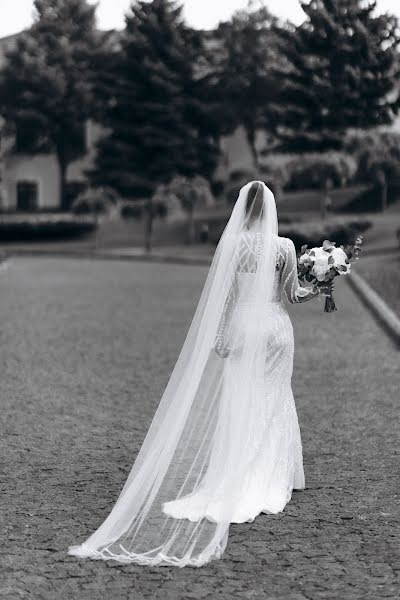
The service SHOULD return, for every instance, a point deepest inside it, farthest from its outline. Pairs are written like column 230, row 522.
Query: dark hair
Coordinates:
column 251, row 196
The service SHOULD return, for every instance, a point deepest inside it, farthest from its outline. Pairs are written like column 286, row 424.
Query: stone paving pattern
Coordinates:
column 86, row 350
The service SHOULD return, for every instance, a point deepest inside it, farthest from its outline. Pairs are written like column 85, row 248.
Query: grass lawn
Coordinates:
column 383, row 274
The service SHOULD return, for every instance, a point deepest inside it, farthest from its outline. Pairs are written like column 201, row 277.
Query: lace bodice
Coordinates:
column 286, row 283
column 286, row 279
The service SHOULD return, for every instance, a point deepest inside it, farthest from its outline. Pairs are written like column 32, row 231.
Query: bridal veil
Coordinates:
column 192, row 455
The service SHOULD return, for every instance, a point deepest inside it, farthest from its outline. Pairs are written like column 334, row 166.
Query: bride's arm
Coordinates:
column 220, row 345
column 290, row 283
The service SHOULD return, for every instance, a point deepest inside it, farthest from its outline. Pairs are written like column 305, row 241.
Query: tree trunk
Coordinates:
column 384, row 195
column 191, row 228
column 149, row 225
column 325, row 198
column 63, row 183
column 382, row 183
column 251, row 138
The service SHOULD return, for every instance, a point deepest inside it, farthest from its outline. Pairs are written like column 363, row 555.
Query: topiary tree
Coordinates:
column 316, row 171
column 190, row 193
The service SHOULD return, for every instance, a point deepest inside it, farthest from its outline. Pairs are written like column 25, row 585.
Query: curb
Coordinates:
column 120, row 256
column 384, row 314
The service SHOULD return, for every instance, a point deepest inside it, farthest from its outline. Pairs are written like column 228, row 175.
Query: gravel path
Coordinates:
column 86, row 350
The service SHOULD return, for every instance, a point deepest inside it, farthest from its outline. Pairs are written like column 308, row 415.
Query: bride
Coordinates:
column 224, row 444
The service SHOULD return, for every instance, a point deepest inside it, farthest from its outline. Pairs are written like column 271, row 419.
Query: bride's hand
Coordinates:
column 326, row 288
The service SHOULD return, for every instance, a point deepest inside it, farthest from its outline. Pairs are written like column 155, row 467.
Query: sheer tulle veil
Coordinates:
column 193, row 448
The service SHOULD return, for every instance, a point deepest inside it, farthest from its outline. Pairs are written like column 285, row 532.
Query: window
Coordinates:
column 27, row 196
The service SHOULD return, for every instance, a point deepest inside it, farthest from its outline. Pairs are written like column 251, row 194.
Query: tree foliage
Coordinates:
column 243, row 59
column 339, row 73
column 157, row 116
column 47, row 83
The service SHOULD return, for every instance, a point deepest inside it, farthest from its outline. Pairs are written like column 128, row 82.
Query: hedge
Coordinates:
column 313, row 233
column 44, row 226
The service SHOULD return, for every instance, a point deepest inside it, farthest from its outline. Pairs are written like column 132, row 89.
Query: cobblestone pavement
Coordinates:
column 86, row 349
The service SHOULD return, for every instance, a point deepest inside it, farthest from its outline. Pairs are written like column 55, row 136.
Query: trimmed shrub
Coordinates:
column 96, row 201
column 378, row 158
column 131, row 209
column 190, row 191
column 313, row 171
column 136, row 209
column 314, row 233
column 42, row 226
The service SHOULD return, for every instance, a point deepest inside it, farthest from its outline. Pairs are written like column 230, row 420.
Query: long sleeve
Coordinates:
column 220, row 339
column 290, row 282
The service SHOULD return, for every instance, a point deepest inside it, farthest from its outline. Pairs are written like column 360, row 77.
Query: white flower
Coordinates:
column 320, row 260
column 303, row 258
column 324, row 258
column 339, row 256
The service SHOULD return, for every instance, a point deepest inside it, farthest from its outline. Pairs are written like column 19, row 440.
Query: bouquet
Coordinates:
column 320, row 265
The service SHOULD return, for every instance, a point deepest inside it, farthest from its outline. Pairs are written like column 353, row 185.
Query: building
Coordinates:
column 31, row 182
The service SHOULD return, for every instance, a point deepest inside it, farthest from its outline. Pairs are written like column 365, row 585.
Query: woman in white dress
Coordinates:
column 224, row 444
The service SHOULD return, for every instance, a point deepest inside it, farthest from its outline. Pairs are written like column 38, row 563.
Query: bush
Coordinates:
column 314, row 233
column 358, row 144
column 95, row 201
column 378, row 156
column 136, row 209
column 52, row 226
column 190, row 192
column 313, row 171
column 293, row 172
column 131, row 209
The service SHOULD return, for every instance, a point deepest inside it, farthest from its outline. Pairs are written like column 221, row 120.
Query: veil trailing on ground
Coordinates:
column 186, row 483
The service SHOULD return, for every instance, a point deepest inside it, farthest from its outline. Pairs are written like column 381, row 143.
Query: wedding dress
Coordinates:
column 224, row 444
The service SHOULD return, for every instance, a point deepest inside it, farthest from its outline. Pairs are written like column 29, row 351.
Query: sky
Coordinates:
column 16, row 15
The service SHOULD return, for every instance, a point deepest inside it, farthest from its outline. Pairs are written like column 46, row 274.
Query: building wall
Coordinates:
column 40, row 168
column 236, row 153
column 44, row 170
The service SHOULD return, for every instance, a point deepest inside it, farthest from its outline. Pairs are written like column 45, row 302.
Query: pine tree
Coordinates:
column 340, row 70
column 157, row 116
column 243, row 64
column 47, row 83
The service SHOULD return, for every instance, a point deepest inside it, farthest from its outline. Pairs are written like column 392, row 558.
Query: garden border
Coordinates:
column 154, row 256
column 385, row 315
